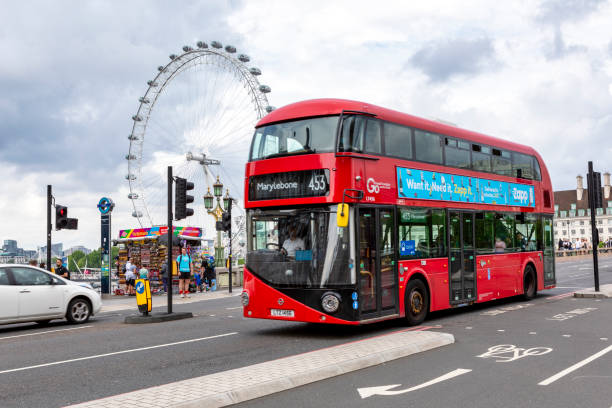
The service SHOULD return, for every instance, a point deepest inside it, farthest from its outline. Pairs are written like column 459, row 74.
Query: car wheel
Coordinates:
column 79, row 311
column 416, row 302
column 529, row 283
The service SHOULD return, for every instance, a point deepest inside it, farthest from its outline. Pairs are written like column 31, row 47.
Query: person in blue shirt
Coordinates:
column 185, row 268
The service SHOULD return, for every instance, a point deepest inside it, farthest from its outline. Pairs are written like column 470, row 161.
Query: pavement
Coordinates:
column 117, row 303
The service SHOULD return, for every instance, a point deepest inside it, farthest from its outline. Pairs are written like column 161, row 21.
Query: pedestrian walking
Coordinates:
column 164, row 275
column 209, row 274
column 130, row 277
column 185, row 268
column 61, row 270
column 143, row 273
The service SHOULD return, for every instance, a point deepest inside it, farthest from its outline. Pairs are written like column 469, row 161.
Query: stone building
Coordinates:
column 573, row 217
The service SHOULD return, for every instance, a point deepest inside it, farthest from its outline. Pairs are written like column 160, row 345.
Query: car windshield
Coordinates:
column 314, row 135
column 300, row 248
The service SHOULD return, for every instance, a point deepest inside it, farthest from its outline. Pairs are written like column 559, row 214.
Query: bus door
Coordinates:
column 462, row 257
column 549, row 251
column 376, row 260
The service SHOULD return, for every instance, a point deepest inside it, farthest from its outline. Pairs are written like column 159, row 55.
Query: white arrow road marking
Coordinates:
column 384, row 389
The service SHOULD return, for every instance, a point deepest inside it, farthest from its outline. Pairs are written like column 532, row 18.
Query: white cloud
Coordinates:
column 346, row 49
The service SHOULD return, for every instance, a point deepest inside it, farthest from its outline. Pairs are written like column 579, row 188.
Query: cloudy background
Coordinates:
column 538, row 73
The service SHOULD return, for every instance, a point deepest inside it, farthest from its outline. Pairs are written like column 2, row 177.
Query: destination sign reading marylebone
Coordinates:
column 429, row 185
column 309, row 183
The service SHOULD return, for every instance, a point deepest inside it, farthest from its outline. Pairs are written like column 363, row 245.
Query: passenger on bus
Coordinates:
column 293, row 243
column 500, row 246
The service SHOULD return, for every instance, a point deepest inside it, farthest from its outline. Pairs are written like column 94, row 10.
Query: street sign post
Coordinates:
column 105, row 206
column 595, row 201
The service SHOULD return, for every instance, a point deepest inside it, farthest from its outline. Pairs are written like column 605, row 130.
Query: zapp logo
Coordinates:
column 520, row 195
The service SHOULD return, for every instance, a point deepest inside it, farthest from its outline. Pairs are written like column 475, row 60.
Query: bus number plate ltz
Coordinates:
column 282, row 313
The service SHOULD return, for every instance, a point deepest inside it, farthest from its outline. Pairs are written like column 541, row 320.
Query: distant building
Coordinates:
column 73, row 249
column 573, row 216
column 57, row 250
column 10, row 246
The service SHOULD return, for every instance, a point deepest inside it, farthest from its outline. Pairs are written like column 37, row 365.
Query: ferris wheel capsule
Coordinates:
column 132, row 196
column 142, row 99
column 244, row 58
column 137, row 214
column 130, row 157
column 216, row 44
column 270, row 108
column 264, row 88
column 187, row 48
column 130, row 177
column 202, row 44
column 132, row 137
column 172, row 57
column 136, row 118
column 230, row 48
column 255, row 71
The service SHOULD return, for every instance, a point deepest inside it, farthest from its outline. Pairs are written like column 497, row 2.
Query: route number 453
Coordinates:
column 317, row 183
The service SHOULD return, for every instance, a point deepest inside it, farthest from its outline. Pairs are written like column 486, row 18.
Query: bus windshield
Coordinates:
column 299, row 248
column 314, row 135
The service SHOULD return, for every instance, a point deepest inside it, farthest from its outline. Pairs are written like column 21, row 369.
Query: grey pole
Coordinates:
column 169, row 268
column 49, row 198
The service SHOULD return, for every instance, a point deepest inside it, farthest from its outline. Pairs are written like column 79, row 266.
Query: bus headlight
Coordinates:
column 245, row 299
column 330, row 301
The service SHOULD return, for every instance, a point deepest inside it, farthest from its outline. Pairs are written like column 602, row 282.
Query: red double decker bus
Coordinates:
column 357, row 213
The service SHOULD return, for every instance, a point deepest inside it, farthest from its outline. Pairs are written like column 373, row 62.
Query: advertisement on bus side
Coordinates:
column 429, row 185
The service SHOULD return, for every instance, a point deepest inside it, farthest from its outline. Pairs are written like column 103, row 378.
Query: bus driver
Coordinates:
column 292, row 243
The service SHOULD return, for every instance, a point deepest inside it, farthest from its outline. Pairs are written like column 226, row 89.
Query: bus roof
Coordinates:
column 323, row 107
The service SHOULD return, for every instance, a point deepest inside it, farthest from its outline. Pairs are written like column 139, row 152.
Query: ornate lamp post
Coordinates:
column 217, row 213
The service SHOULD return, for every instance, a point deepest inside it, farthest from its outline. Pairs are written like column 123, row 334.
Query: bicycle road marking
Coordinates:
column 505, row 353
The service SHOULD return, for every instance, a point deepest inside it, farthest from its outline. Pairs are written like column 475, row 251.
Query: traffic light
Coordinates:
column 181, row 199
column 61, row 217
column 594, row 186
column 227, row 221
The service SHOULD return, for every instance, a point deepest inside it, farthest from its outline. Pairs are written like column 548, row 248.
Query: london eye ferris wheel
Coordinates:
column 197, row 115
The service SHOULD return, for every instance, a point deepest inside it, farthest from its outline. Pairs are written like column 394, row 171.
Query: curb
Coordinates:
column 605, row 291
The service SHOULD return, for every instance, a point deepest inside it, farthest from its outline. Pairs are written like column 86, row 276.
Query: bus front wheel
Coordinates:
column 529, row 283
column 416, row 302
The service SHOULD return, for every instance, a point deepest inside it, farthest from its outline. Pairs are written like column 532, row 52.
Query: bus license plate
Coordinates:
column 282, row 313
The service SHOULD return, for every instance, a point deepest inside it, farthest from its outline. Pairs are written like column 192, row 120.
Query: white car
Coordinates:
column 30, row 294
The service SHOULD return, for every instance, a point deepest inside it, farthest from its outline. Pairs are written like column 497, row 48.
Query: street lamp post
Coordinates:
column 217, row 214
column 227, row 204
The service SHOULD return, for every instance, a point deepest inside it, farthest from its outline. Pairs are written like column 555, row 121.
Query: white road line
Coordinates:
column 117, row 352
column 44, row 332
column 233, row 308
column 575, row 367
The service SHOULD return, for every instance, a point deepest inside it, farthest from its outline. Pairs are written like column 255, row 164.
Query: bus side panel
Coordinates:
column 535, row 258
column 435, row 272
column 263, row 298
column 489, row 278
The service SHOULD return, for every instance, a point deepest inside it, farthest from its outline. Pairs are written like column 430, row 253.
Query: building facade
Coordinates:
column 572, row 220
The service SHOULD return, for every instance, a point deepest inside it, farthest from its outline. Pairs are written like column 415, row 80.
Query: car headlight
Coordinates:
column 245, row 299
column 330, row 302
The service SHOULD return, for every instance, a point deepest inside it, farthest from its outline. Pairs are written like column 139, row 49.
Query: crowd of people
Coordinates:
column 193, row 277
column 581, row 244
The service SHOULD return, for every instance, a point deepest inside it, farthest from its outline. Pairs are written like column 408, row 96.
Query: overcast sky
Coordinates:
column 538, row 73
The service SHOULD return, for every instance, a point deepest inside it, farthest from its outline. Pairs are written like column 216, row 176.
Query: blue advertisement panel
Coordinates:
column 428, row 185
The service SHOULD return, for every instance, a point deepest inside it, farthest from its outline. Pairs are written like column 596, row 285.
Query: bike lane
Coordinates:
column 549, row 354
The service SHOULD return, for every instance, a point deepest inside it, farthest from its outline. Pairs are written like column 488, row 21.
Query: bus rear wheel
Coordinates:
column 416, row 302
column 529, row 283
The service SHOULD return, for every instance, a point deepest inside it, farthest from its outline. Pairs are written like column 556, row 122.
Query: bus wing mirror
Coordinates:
column 342, row 215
